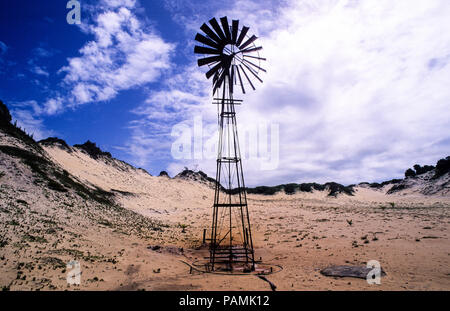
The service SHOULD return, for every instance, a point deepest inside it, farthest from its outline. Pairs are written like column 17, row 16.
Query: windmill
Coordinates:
column 234, row 63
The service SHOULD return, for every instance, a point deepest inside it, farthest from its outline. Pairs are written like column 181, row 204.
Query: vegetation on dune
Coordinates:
column 409, row 173
column 163, row 173
column 384, row 183
column 92, row 149
column 442, row 167
column 56, row 180
column 13, row 130
column 291, row 188
column 51, row 141
column 333, row 188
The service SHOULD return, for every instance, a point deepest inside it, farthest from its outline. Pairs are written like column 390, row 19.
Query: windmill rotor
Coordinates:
column 230, row 53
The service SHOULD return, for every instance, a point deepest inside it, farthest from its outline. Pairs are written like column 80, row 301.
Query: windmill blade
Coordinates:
column 242, row 35
column 217, row 28
column 240, row 80
column 253, row 72
column 226, row 28
column 205, row 50
column 202, row 39
column 210, row 33
column 254, row 65
column 208, row 60
column 219, row 81
column 249, row 81
column 213, row 70
column 251, row 49
column 256, row 57
column 249, row 41
column 234, row 31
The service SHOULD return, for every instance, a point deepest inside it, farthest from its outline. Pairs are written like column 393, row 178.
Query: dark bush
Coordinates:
column 265, row 190
column 423, row 169
column 396, row 188
column 442, row 167
column 309, row 187
column 290, row 188
column 51, row 141
column 409, row 173
column 336, row 188
column 163, row 173
column 92, row 149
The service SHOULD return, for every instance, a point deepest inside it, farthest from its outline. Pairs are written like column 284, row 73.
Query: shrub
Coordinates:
column 409, row 173
column 423, row 169
column 442, row 167
column 92, row 149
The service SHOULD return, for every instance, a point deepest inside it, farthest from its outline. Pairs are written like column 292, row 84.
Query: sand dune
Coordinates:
column 44, row 228
column 305, row 232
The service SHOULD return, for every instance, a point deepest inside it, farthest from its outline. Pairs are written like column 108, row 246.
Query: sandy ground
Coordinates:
column 304, row 233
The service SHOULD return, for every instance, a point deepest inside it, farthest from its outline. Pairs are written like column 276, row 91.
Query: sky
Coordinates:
column 354, row 91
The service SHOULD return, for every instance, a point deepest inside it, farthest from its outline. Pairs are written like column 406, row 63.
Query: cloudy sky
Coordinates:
column 355, row 90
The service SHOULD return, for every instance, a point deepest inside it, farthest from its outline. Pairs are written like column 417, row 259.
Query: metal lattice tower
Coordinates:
column 233, row 61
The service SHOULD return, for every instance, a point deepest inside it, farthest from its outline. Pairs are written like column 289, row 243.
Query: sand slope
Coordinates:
column 42, row 229
column 406, row 232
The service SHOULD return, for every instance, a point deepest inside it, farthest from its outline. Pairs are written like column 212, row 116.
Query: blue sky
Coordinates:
column 358, row 89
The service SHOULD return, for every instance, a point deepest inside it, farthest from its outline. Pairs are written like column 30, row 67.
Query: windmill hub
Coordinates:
column 229, row 50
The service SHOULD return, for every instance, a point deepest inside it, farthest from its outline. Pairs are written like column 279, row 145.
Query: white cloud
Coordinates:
column 123, row 55
column 359, row 89
column 39, row 71
column 183, row 96
column 32, row 124
column 43, row 52
column 53, row 105
column 119, row 3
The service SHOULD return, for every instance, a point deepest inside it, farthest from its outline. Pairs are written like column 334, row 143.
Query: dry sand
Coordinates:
column 304, row 233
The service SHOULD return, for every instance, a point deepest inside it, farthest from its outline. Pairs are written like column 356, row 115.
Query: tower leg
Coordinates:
column 231, row 238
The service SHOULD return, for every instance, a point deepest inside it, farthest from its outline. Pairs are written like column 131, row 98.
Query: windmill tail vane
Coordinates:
column 234, row 63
